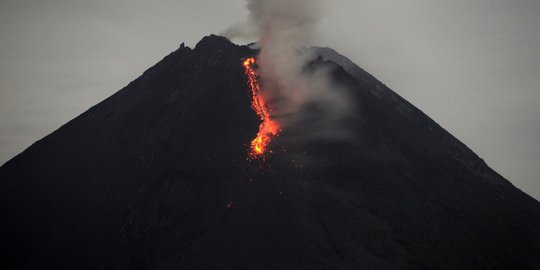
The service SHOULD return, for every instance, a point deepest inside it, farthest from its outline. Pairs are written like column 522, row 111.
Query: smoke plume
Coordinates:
column 282, row 28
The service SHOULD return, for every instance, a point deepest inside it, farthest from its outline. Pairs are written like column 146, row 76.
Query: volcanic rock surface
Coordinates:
column 157, row 177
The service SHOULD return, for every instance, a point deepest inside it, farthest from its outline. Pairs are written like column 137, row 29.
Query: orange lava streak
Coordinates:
column 268, row 127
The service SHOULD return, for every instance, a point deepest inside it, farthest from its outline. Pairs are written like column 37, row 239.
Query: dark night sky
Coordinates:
column 473, row 66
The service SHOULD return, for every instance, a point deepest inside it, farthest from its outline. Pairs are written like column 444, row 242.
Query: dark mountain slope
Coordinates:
column 156, row 177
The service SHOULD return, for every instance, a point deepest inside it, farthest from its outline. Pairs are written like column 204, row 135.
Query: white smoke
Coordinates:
column 282, row 28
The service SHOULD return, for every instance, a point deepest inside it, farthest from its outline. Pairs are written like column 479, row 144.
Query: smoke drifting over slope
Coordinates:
column 282, row 28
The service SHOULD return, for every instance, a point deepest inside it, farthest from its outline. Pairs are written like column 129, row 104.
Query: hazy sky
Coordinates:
column 473, row 66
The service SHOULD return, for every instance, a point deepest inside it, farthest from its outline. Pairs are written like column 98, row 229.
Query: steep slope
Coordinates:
column 156, row 177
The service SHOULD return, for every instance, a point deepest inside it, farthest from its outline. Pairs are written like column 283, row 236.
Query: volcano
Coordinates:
column 158, row 177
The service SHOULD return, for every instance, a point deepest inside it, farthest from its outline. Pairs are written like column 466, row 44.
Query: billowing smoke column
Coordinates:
column 282, row 27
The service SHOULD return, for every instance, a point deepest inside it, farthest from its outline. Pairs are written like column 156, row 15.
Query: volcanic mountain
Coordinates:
column 158, row 177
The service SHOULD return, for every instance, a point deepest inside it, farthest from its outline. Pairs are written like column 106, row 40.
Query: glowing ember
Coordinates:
column 268, row 128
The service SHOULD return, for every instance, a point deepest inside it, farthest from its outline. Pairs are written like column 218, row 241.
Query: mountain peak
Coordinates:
column 213, row 42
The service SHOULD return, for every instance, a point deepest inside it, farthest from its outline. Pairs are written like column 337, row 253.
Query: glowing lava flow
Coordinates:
column 268, row 128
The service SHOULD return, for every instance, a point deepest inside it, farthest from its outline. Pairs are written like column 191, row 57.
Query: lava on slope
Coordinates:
column 268, row 127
